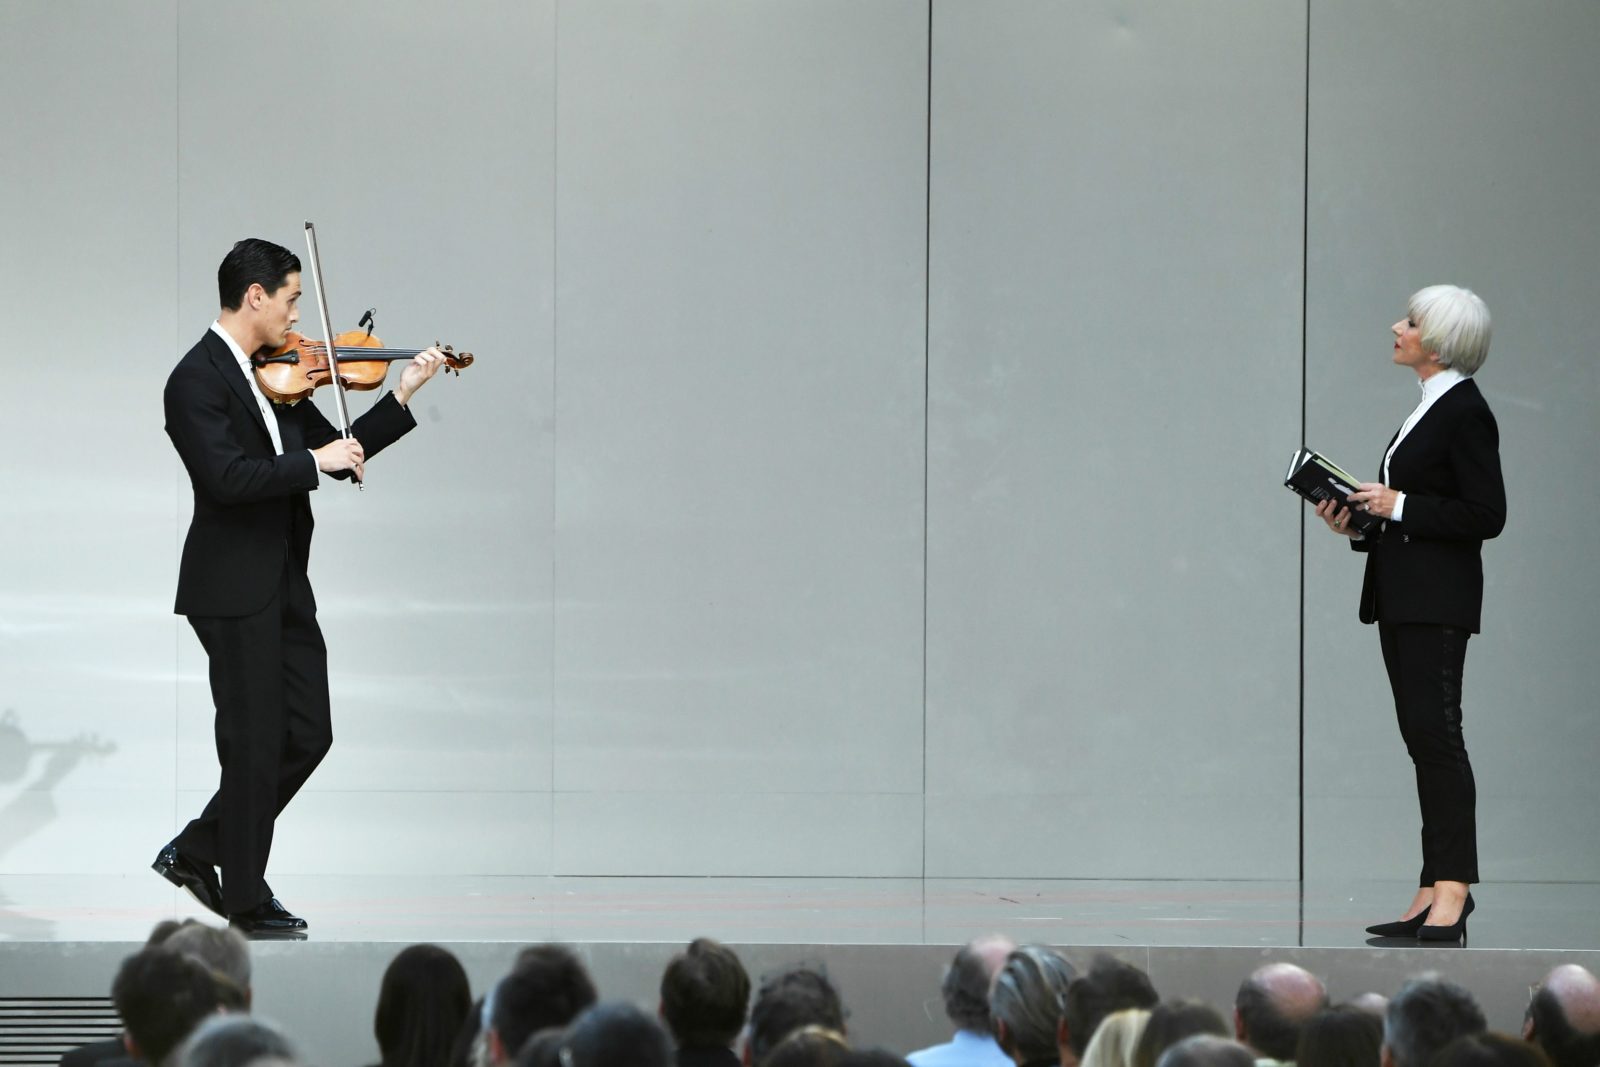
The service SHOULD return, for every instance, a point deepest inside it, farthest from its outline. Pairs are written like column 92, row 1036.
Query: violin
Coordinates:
column 291, row 372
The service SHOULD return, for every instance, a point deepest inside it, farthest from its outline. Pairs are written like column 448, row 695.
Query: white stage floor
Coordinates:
column 808, row 910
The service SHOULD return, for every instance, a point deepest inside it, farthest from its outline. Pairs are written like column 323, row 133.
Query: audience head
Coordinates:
column 225, row 953
column 704, row 995
column 1027, row 1000
column 1109, row 986
column 161, row 996
column 1271, row 1006
column 163, row 930
column 1426, row 1015
column 1171, row 1022
column 969, row 978
column 1340, row 1037
column 1372, row 1003
column 809, row 1046
column 1207, row 1050
column 1116, row 1038
column 235, row 1041
column 1564, row 1017
column 613, row 1035
column 548, row 987
column 1490, row 1050
column 796, row 998
column 542, row 1049
column 422, row 1003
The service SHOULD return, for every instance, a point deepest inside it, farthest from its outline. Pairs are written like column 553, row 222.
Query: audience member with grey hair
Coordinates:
column 1271, row 1007
column 223, row 950
column 235, row 1041
column 1206, row 1050
column 1426, row 1015
column 1564, row 1017
column 1026, row 1002
column 967, row 982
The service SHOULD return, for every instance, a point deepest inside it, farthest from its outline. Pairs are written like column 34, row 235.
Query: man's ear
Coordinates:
column 1002, row 1035
column 1064, row 1041
column 1238, row 1028
column 131, row 1046
column 1385, row 1057
column 1528, row 1033
column 497, row 1048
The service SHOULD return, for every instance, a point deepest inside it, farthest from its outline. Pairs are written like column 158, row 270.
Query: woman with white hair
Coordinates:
column 1441, row 496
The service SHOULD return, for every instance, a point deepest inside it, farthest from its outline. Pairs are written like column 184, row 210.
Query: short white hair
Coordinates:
column 1454, row 323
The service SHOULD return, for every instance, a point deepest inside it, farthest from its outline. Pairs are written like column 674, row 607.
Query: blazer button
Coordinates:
column 1406, row 538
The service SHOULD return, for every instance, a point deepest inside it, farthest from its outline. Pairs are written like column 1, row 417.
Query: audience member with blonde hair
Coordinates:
column 1115, row 1039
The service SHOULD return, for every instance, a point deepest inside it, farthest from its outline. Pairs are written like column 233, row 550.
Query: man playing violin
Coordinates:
column 242, row 581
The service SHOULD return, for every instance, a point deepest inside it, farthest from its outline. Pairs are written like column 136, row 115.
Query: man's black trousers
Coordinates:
column 269, row 682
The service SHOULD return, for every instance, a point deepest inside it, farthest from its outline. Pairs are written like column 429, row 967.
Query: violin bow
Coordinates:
column 333, row 353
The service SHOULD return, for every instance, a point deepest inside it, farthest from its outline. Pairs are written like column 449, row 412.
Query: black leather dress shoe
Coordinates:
column 198, row 878
column 268, row 918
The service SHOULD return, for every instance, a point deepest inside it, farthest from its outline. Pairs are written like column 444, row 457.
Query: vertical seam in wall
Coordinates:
column 555, row 361
column 177, row 303
column 1305, row 262
column 927, row 319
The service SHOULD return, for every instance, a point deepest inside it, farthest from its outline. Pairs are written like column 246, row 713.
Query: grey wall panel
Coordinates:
column 1466, row 156
column 1114, row 384
column 423, row 155
column 739, row 399
column 798, row 834
column 86, row 638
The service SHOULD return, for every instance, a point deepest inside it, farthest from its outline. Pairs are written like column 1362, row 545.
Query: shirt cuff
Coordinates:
column 1399, row 504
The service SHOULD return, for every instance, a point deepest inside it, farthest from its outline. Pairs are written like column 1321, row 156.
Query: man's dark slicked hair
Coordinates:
column 1109, row 986
column 1553, row 1031
column 795, row 998
column 1426, row 1015
column 704, row 994
column 250, row 262
column 162, row 996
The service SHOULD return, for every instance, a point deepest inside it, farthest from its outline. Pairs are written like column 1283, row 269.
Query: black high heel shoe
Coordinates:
column 1403, row 928
column 1454, row 932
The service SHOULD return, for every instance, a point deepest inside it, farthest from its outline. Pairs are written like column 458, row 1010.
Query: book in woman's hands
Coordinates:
column 1317, row 478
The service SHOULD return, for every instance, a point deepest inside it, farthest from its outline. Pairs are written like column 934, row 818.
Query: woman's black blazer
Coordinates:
column 1429, row 566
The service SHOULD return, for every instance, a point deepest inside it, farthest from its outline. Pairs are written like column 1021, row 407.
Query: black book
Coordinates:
column 1317, row 478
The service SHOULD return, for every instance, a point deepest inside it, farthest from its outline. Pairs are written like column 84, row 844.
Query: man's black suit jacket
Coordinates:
column 1428, row 567
column 252, row 509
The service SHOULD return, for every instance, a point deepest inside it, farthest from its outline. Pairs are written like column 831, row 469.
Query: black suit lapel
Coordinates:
column 228, row 367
